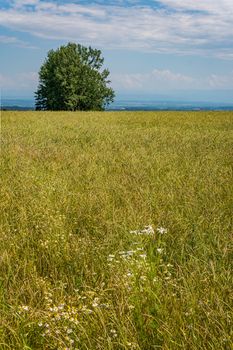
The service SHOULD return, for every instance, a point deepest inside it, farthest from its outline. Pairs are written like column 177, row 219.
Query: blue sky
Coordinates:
column 167, row 49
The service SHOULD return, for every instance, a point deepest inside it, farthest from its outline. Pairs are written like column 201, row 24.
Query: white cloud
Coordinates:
column 163, row 80
column 158, row 80
column 210, row 6
column 27, row 80
column 21, row 3
column 174, row 30
column 217, row 81
column 4, row 39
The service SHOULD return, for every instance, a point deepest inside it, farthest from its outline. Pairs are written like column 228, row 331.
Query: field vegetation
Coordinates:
column 116, row 230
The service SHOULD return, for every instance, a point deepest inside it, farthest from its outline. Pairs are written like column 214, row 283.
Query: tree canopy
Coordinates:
column 72, row 78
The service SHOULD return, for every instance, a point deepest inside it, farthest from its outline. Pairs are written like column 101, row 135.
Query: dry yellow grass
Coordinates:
column 73, row 186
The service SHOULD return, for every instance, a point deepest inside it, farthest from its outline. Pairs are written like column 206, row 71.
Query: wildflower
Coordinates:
column 135, row 232
column 122, row 253
column 95, row 302
column 69, row 331
column 40, row 324
column 130, row 252
column 44, row 244
column 161, row 230
column 159, row 250
column 129, row 274
column 167, row 278
column 111, row 257
column 126, row 254
column 25, row 308
column 143, row 256
column 113, row 332
column 148, row 230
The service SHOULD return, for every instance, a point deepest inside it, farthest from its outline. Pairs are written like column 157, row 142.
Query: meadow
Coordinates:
column 116, row 230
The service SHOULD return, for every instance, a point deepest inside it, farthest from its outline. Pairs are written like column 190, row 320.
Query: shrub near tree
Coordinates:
column 72, row 78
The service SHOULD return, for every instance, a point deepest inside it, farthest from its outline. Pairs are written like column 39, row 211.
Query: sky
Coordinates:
column 162, row 50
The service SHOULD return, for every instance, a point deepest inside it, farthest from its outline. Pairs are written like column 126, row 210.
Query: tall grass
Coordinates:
column 74, row 186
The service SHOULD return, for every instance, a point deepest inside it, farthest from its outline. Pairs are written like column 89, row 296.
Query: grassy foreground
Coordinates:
column 74, row 186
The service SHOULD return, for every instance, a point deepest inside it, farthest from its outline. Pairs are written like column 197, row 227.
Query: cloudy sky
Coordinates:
column 167, row 49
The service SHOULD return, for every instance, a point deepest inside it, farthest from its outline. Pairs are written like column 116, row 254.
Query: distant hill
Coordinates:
column 131, row 105
column 17, row 104
column 16, row 108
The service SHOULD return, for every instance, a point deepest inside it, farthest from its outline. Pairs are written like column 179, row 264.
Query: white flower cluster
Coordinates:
column 161, row 230
column 23, row 309
column 148, row 230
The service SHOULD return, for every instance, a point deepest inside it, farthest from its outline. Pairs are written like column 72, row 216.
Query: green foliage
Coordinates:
column 72, row 78
column 73, row 187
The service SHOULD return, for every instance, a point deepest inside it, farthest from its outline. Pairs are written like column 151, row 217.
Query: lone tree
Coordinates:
column 71, row 79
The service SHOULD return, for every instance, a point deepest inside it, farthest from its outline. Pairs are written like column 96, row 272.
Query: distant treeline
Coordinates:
column 16, row 108
column 138, row 108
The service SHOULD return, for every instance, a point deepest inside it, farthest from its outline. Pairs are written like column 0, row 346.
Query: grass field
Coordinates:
column 74, row 186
